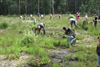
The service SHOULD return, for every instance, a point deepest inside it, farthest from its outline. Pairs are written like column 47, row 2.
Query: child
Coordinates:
column 98, row 49
column 78, row 16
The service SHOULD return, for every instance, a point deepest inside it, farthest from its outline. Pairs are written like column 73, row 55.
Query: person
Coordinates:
column 85, row 22
column 99, row 17
column 42, row 16
column 98, row 49
column 73, row 22
column 86, row 17
column 95, row 21
column 33, row 19
column 78, row 16
column 59, row 16
column 21, row 17
column 70, row 36
column 51, row 16
column 40, row 28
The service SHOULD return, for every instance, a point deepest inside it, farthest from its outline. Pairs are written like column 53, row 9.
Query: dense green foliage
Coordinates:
column 3, row 25
column 48, row 6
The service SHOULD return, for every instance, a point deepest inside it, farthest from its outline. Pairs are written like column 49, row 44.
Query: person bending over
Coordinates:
column 40, row 28
column 70, row 36
column 73, row 22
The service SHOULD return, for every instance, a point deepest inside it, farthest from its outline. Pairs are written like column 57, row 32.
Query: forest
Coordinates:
column 14, row 7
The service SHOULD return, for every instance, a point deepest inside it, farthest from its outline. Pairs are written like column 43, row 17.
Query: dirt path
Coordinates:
column 57, row 55
column 4, row 62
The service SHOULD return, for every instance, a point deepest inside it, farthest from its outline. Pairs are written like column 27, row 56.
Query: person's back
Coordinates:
column 40, row 27
column 70, row 36
column 70, row 32
column 73, row 22
column 72, row 19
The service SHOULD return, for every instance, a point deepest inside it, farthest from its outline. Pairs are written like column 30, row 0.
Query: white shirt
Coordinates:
column 42, row 15
column 86, row 17
column 40, row 24
column 72, row 19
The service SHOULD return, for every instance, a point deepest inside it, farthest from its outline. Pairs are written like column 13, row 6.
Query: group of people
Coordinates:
column 37, row 27
column 75, row 20
column 69, row 32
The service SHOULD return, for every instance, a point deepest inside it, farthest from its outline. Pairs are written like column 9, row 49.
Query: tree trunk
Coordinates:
column 52, row 6
column 38, row 7
column 26, row 7
column 19, row 7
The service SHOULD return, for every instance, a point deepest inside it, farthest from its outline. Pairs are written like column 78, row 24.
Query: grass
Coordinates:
column 82, row 56
column 17, row 37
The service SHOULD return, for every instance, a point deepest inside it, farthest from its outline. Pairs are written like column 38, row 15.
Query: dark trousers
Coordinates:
column 95, row 23
column 73, row 23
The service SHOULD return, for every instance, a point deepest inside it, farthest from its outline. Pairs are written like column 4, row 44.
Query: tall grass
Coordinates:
column 19, row 38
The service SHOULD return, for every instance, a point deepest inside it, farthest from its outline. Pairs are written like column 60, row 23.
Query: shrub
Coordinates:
column 26, row 41
column 56, row 65
column 3, row 25
column 13, row 57
column 61, row 43
column 47, row 42
column 40, row 57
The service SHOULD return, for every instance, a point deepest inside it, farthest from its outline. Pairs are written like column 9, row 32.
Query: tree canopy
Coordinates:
column 48, row 6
